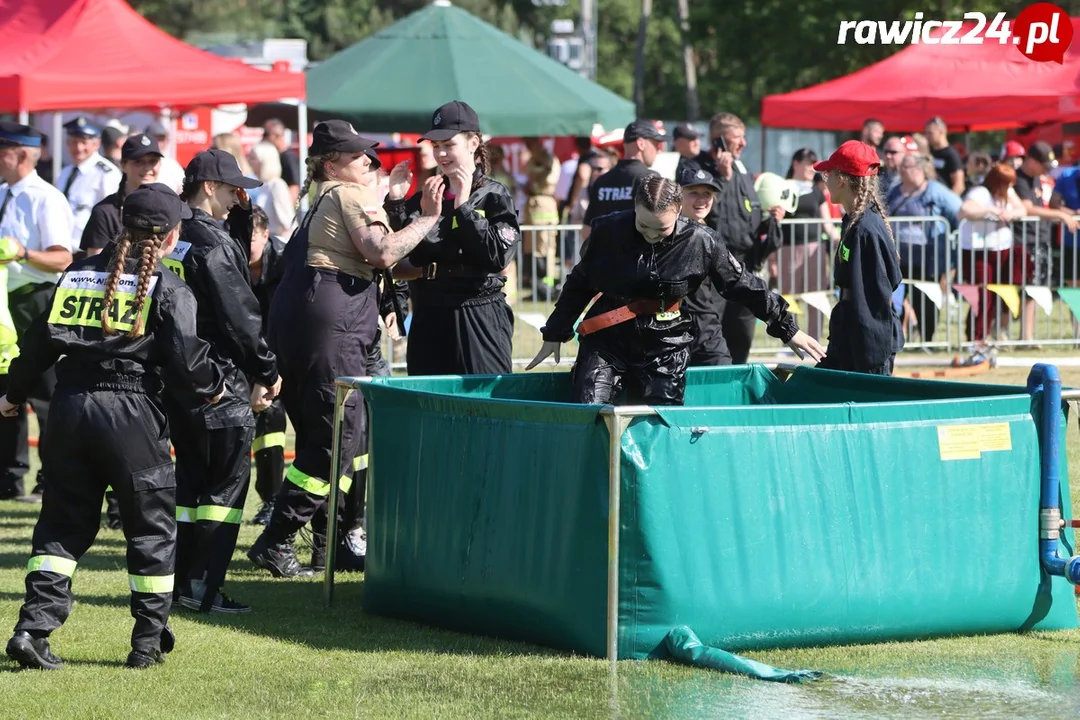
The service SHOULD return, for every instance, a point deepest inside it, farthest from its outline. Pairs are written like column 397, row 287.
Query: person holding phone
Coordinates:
column 644, row 263
column 751, row 232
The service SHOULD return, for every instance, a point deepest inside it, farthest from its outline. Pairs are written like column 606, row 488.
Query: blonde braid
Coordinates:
column 866, row 191
column 315, row 173
column 116, row 269
column 150, row 247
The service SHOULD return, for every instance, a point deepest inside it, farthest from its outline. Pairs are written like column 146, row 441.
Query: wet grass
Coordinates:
column 290, row 657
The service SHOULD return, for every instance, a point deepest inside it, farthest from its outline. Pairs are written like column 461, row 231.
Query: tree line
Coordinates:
column 737, row 51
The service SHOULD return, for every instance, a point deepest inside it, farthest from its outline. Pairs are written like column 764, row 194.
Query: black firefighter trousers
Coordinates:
column 269, row 449
column 213, row 472
column 100, row 438
column 322, row 327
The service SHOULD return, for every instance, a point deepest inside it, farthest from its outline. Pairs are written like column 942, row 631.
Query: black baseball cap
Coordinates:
column 338, row 136
column 138, row 146
column 642, row 129
column 691, row 177
column 218, row 166
column 80, row 127
column 685, row 131
column 157, row 129
column 450, row 119
column 154, row 207
column 12, row 133
column 1042, row 153
column 110, row 135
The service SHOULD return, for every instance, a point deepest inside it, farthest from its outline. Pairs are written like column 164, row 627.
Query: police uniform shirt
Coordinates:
column 97, row 179
column 39, row 217
column 614, row 190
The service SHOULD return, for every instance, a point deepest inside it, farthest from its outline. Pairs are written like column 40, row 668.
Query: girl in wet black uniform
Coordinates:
column 645, row 261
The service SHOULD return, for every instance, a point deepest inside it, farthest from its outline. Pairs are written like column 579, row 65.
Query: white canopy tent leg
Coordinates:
column 301, row 129
column 57, row 145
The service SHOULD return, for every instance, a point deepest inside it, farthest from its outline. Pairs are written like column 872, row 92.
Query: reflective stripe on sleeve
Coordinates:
column 360, row 462
column 185, row 514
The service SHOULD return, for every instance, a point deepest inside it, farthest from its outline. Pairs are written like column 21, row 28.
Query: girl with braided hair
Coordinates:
column 864, row 331
column 644, row 263
column 461, row 321
column 120, row 329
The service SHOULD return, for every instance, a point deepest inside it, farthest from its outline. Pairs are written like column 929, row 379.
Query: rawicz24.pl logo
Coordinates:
column 1041, row 32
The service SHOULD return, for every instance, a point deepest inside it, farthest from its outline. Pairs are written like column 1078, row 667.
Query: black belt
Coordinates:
column 433, row 271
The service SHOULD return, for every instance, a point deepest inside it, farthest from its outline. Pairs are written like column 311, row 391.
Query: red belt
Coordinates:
column 625, row 313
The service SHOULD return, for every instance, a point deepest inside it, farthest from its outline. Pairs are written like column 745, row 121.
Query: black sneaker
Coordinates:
column 192, row 598
column 32, row 653
column 279, row 559
column 142, row 659
column 263, row 516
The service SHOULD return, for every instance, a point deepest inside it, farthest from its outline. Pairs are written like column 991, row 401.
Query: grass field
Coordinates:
column 292, row 657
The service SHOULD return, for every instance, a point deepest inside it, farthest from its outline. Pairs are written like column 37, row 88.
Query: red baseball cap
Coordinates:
column 1012, row 149
column 854, row 158
column 909, row 143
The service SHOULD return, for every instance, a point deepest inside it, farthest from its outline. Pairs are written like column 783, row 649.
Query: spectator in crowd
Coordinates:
column 988, row 251
column 873, row 132
column 91, row 178
column 265, row 163
column 575, row 174
column 112, row 141
column 751, row 232
column 688, row 145
column 603, row 160
column 40, row 220
column 923, row 245
column 892, row 152
column 429, row 168
column 1037, row 239
column 1013, row 153
column 947, row 162
column 978, row 165
column 542, row 170
column 232, row 144
column 172, row 172
column 275, row 133
column 44, row 166
column 615, row 190
column 802, row 264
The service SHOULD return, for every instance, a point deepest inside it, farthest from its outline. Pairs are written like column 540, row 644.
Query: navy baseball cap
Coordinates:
column 450, row 119
column 138, row 146
column 218, row 166
column 80, row 127
column 156, row 129
column 690, row 177
column 154, row 207
column 685, row 131
column 12, row 133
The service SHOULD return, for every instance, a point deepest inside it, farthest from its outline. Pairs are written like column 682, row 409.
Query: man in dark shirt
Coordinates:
column 1039, row 161
column 614, row 190
column 947, row 162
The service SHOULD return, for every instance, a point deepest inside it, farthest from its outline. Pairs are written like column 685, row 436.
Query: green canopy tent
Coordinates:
column 394, row 80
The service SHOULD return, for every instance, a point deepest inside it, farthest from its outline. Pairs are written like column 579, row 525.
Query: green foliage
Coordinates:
column 744, row 49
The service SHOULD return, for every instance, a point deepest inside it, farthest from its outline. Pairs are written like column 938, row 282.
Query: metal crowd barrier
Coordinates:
column 946, row 271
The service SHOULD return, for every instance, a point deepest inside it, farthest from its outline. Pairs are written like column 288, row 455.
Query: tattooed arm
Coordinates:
column 384, row 249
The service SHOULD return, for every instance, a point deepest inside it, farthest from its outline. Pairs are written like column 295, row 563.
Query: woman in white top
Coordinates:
column 988, row 254
column 276, row 200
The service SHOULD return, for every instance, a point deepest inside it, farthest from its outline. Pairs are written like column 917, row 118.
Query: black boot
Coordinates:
column 142, row 659
column 318, row 553
column 279, row 559
column 262, row 517
column 32, row 652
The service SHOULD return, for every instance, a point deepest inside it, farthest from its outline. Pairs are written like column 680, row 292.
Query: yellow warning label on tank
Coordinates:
column 969, row 442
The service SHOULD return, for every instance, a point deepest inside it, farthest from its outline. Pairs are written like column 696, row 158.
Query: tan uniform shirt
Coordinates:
column 344, row 208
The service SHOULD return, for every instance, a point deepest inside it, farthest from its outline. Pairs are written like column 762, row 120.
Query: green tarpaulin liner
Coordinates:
column 830, row 508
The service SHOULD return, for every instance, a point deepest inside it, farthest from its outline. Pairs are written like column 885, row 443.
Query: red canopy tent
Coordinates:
column 86, row 54
column 973, row 87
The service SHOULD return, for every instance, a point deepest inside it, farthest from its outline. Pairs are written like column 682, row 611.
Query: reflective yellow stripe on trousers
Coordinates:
column 151, row 583
column 51, row 563
column 319, row 487
column 219, row 513
column 186, row 514
column 269, row 440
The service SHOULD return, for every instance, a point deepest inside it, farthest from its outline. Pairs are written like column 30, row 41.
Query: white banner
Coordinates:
column 819, row 301
column 1042, row 296
column 931, row 290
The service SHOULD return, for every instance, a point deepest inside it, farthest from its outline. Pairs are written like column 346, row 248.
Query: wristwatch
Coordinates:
column 25, row 254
